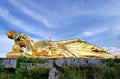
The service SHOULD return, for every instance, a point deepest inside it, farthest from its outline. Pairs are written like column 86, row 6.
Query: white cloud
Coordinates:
column 36, row 39
column 88, row 33
column 117, row 28
column 112, row 50
column 94, row 31
column 32, row 13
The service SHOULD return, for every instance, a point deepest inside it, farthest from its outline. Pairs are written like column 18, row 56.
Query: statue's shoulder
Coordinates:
column 22, row 35
column 25, row 36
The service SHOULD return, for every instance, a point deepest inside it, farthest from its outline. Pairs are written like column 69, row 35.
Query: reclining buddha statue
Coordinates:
column 75, row 48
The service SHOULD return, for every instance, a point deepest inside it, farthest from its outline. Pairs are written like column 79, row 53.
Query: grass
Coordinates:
column 33, row 73
column 92, row 73
column 111, row 71
column 25, row 73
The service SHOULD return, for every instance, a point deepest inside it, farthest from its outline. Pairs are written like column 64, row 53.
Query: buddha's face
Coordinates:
column 11, row 34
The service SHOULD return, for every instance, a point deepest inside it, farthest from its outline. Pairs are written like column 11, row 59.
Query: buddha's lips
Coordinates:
column 22, row 45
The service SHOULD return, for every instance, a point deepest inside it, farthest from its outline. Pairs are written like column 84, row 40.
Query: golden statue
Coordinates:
column 75, row 48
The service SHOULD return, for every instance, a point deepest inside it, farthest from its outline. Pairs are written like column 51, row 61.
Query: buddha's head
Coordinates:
column 11, row 34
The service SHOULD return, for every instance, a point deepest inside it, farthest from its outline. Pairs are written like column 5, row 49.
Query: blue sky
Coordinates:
column 96, row 21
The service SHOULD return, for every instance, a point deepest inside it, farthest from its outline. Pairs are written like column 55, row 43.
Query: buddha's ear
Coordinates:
column 9, row 36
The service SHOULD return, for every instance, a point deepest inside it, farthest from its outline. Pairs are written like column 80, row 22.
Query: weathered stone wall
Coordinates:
column 8, row 62
column 59, row 62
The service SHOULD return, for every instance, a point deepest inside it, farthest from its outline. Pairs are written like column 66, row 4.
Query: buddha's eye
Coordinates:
column 18, row 39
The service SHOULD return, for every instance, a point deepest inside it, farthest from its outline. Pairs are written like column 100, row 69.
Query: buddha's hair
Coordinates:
column 11, row 32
